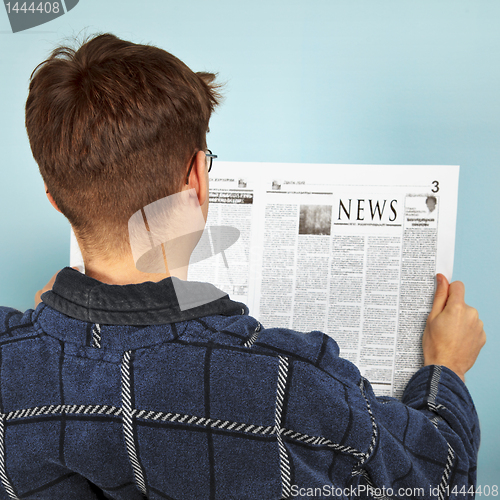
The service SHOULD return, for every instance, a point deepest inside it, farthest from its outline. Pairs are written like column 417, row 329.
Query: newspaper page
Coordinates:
column 350, row 250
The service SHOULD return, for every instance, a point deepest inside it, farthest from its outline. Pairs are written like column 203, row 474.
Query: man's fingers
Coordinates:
column 456, row 292
column 38, row 299
column 48, row 286
column 441, row 295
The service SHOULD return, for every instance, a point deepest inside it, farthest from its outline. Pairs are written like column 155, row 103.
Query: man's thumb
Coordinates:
column 441, row 295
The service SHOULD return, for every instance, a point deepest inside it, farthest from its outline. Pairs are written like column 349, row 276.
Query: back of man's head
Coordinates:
column 112, row 126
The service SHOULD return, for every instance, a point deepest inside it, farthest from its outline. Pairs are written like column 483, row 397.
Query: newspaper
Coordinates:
column 349, row 250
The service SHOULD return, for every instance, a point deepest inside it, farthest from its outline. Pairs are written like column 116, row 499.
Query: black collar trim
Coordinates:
column 79, row 296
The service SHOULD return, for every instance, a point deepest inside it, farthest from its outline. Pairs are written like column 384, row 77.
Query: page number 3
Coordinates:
column 435, row 189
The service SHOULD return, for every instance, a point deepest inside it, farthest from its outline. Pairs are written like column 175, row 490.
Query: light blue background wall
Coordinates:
column 332, row 81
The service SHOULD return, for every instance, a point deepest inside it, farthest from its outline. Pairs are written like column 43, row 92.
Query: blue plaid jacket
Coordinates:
column 114, row 392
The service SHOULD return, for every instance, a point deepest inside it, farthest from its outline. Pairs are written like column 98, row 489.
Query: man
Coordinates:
column 127, row 384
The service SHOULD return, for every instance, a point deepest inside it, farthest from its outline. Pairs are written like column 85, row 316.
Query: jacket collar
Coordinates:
column 168, row 301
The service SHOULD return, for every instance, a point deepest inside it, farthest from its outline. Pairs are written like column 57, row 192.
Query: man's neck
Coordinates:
column 124, row 272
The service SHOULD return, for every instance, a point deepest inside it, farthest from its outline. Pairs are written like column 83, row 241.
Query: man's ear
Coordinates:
column 198, row 177
column 49, row 196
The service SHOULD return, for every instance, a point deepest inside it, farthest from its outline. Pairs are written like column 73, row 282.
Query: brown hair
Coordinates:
column 112, row 127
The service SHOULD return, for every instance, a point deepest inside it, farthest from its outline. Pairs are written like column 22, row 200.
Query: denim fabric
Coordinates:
column 114, row 392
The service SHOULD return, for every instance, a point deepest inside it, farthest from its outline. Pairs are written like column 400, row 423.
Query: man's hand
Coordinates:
column 46, row 288
column 454, row 334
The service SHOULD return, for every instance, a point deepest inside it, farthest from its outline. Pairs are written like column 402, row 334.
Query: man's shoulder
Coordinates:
column 315, row 350
column 14, row 323
column 10, row 317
